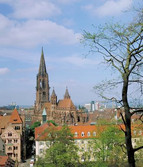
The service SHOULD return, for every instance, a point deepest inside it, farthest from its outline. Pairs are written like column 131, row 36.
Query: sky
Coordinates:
column 56, row 25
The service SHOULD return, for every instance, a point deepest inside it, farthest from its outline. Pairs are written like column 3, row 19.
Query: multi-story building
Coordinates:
column 84, row 136
column 11, row 128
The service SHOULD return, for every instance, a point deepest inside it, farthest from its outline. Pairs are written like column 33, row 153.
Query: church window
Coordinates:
column 44, row 95
column 9, row 134
column 40, row 84
column 43, row 84
column 82, row 134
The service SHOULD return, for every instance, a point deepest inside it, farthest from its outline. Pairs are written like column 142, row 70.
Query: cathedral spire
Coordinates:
column 66, row 96
column 42, row 67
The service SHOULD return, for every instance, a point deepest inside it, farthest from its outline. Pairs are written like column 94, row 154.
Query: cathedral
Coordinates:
column 48, row 107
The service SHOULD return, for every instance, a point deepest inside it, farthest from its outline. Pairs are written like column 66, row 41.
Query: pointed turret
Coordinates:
column 42, row 67
column 66, row 96
column 53, row 97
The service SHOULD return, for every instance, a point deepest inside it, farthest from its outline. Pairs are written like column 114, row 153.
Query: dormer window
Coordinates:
column 82, row 134
column 15, row 119
column 94, row 133
column 88, row 134
column 75, row 134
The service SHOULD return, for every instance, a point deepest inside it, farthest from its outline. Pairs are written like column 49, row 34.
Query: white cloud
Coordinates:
column 34, row 32
column 3, row 71
column 110, row 7
column 35, row 9
column 76, row 60
column 67, row 1
column 32, row 9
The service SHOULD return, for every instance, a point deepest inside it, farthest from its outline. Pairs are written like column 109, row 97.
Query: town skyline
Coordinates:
column 27, row 26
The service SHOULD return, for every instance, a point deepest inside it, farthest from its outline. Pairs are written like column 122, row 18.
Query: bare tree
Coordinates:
column 122, row 48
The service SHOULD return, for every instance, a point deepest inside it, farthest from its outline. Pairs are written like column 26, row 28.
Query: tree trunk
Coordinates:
column 128, row 137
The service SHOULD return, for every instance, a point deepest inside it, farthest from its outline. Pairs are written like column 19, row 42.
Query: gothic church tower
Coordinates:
column 42, row 87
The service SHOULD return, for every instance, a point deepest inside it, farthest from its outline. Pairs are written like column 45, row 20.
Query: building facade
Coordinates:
column 11, row 131
column 61, row 111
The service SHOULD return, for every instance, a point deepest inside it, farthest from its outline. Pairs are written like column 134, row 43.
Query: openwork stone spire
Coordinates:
column 42, row 67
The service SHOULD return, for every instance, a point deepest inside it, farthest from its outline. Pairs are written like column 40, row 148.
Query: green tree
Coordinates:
column 122, row 49
column 109, row 144
column 62, row 151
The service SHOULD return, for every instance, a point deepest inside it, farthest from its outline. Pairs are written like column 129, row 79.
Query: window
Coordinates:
column 9, row 134
column 9, row 154
column 17, row 127
column 9, row 141
column 15, row 140
column 9, row 148
column 75, row 134
column 82, row 134
column 15, row 147
column 94, row 133
column 88, row 134
column 140, row 132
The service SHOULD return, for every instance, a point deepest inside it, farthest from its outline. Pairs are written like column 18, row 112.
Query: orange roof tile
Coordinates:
column 15, row 118
column 39, row 130
column 3, row 160
column 66, row 104
column 81, row 131
column 4, row 122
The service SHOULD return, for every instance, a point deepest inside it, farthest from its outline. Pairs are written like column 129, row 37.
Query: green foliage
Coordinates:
column 108, row 144
column 36, row 124
column 53, row 122
column 62, row 151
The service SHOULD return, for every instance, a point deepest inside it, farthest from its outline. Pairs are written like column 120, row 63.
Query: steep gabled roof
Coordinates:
column 15, row 118
column 4, row 122
column 39, row 130
column 66, row 104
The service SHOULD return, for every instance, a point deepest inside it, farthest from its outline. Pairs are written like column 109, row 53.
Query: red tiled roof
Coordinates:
column 3, row 160
column 15, row 118
column 66, row 104
column 39, row 130
column 4, row 122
